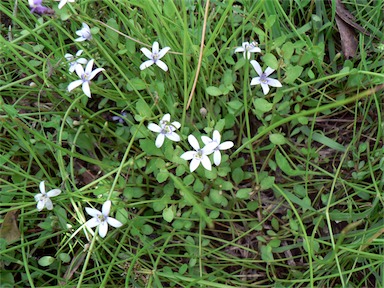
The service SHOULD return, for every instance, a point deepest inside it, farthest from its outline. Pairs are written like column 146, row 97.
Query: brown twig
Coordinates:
column 201, row 54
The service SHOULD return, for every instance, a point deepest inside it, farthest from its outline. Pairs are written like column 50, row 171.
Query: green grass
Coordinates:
column 297, row 202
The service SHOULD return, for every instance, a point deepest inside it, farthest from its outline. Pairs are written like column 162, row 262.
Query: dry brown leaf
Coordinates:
column 346, row 24
column 348, row 39
column 9, row 229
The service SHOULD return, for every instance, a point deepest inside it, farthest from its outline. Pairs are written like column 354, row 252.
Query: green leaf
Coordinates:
column 284, row 165
column 64, row 257
column 271, row 19
column 266, row 253
column 323, row 139
column 277, row 139
column 287, row 50
column 267, row 182
column 149, row 147
column 136, row 84
column 270, row 60
column 238, row 175
column 147, row 229
column 213, row 91
column 162, row 176
column 191, row 200
column 262, row 105
column 111, row 35
column 292, row 73
column 244, row 193
column 46, row 261
column 168, row 214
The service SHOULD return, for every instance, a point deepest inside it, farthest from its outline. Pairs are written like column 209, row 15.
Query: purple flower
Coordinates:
column 37, row 8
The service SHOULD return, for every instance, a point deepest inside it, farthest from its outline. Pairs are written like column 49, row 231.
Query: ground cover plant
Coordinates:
column 191, row 143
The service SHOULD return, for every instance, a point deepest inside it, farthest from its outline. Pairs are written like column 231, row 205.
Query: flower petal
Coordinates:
column 88, row 68
column 42, row 187
column 159, row 140
column 62, row 3
column 217, row 157
column 216, row 136
column 274, row 82
column 93, row 222
column 188, row 155
column 74, row 84
column 162, row 65
column 194, row 164
column 226, row 145
column 38, row 197
column 257, row 67
column 265, row 88
column 80, row 39
column 239, row 49
column 173, row 136
column 53, row 192
column 255, row 81
column 154, row 127
column 146, row 64
column 166, row 118
column 176, row 124
column 95, row 72
column 69, row 57
column 49, row 204
column 269, row 71
column 206, row 162
column 163, row 52
column 40, row 205
column 92, row 212
column 146, row 52
column 193, row 141
column 255, row 50
column 155, row 47
column 103, row 229
column 86, row 89
column 114, row 223
column 206, row 140
column 106, row 208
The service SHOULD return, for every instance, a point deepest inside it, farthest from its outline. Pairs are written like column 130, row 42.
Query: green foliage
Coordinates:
column 296, row 202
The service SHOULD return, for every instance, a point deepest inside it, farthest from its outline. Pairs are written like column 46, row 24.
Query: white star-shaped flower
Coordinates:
column 165, row 129
column 63, row 2
column 74, row 62
column 223, row 146
column 101, row 219
column 263, row 78
column 43, row 199
column 154, row 56
column 199, row 155
column 84, row 33
column 248, row 48
column 85, row 77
